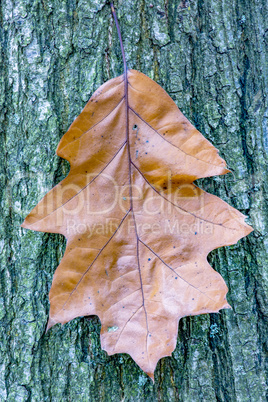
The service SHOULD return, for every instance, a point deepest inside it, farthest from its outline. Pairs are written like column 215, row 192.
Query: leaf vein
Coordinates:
column 177, row 206
column 168, row 266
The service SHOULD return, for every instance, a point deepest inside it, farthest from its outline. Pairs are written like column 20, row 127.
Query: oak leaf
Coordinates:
column 138, row 230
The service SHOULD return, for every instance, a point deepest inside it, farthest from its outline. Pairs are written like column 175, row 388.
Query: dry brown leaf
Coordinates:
column 138, row 231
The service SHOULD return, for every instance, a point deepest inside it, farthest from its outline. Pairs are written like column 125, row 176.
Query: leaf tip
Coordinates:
column 151, row 375
column 247, row 228
column 250, row 229
column 50, row 324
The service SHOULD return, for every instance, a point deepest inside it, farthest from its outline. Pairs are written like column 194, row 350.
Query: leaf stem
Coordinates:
column 120, row 38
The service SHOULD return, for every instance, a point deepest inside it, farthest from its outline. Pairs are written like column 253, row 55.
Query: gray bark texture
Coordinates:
column 211, row 58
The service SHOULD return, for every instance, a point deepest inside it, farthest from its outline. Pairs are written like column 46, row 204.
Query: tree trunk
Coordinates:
column 211, row 58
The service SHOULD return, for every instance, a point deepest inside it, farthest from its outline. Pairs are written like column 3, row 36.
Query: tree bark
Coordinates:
column 211, row 58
